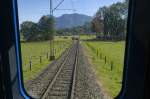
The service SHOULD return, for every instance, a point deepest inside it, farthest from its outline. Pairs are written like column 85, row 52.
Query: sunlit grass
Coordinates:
column 114, row 53
column 37, row 49
column 62, row 38
column 87, row 37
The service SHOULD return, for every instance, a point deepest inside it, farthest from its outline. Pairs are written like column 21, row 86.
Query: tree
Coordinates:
column 118, row 14
column 29, row 30
column 47, row 27
column 112, row 20
column 43, row 30
column 97, row 24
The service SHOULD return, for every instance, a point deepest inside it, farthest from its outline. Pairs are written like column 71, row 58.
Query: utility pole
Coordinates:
column 52, row 56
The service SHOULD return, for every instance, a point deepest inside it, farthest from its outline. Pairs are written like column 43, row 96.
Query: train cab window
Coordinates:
column 72, row 49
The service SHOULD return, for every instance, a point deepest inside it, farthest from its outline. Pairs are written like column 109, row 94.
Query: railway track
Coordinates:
column 69, row 77
column 63, row 82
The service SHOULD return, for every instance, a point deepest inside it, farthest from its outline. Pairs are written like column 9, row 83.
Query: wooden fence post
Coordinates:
column 30, row 62
column 40, row 59
column 112, row 65
column 47, row 55
column 97, row 52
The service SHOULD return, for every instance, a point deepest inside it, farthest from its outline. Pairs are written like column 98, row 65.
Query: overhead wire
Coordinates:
column 72, row 5
column 58, row 5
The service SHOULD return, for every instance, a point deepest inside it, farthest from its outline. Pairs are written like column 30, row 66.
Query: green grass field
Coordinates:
column 37, row 49
column 114, row 52
column 87, row 37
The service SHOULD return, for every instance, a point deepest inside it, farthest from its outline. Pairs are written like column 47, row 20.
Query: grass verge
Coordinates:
column 107, row 61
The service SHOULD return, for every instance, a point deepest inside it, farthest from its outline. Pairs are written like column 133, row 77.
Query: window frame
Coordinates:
column 127, row 92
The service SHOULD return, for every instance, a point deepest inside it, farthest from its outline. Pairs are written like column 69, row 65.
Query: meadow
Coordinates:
column 36, row 55
column 107, row 59
column 87, row 37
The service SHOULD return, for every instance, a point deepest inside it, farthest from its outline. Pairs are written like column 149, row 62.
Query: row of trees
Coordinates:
column 85, row 29
column 110, row 22
column 43, row 30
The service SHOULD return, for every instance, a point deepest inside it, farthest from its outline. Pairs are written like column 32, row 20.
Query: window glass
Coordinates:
column 73, row 48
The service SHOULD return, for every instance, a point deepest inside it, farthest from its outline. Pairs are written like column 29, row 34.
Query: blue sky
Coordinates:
column 32, row 10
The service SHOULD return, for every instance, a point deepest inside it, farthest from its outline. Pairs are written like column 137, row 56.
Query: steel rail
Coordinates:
column 74, row 73
column 43, row 96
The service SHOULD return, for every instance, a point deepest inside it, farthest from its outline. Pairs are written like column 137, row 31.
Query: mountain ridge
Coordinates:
column 71, row 20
